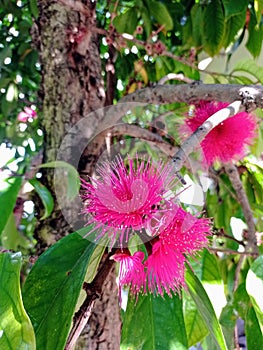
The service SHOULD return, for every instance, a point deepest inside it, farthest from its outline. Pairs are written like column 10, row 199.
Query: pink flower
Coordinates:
column 131, row 271
column 25, row 115
column 124, row 199
column 165, row 266
column 165, row 269
column 226, row 141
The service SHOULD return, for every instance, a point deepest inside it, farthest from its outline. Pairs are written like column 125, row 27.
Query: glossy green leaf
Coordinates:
column 71, row 175
column 235, row 7
column 159, row 11
column 8, row 196
column 255, row 36
column 205, row 308
column 254, row 286
column 249, row 66
column 11, row 238
column 258, row 7
column 154, row 323
column 34, row 8
column 194, row 324
column 126, row 22
column 232, row 27
column 52, row 289
column 254, row 338
column 213, row 28
column 16, row 331
column 45, row 196
column 212, row 282
column 197, row 24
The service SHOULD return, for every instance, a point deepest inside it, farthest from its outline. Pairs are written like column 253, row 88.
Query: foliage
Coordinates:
column 165, row 37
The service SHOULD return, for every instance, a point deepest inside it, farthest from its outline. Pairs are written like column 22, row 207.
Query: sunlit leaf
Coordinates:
column 45, row 196
column 205, row 308
column 8, row 195
column 254, row 338
column 194, row 324
column 154, row 323
column 72, row 176
column 254, row 286
column 52, row 289
column 16, row 331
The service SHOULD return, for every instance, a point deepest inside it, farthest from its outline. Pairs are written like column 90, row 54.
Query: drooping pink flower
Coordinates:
column 165, row 269
column 226, row 141
column 131, row 271
column 25, row 115
column 123, row 199
column 183, row 237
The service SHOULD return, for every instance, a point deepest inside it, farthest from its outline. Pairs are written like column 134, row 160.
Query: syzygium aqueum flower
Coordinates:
column 26, row 114
column 228, row 140
column 123, row 198
column 184, row 236
column 163, row 270
column 131, row 271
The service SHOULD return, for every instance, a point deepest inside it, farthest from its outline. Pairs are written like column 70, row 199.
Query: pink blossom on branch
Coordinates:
column 131, row 271
column 123, row 199
column 25, row 115
column 228, row 140
column 164, row 269
column 183, row 237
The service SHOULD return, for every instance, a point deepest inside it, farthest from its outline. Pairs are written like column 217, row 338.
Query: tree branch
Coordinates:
column 234, row 177
column 193, row 141
column 93, row 291
column 187, row 93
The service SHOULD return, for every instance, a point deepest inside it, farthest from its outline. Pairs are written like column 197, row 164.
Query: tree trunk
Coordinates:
column 72, row 88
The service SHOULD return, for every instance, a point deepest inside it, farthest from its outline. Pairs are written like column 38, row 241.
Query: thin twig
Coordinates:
column 231, row 251
column 93, row 291
column 225, row 235
column 234, row 177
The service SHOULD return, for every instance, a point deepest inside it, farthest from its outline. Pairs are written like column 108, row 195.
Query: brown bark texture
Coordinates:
column 72, row 89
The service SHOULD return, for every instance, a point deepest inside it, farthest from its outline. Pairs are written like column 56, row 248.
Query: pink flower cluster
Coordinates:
column 136, row 198
column 26, row 114
column 226, row 141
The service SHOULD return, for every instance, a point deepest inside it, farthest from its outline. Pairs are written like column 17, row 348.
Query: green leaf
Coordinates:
column 194, row 324
column 8, row 196
column 205, row 308
column 45, row 196
column 258, row 7
column 249, row 66
column 212, row 282
column 253, row 333
column 16, row 331
column 34, row 8
column 213, row 28
column 154, row 323
column 52, row 289
column 255, row 36
column 73, row 182
column 126, row 22
column 159, row 11
column 232, row 27
column 254, row 286
column 197, row 24
column 11, row 238
column 234, row 7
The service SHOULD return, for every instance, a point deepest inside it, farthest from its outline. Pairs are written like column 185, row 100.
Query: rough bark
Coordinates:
column 71, row 89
